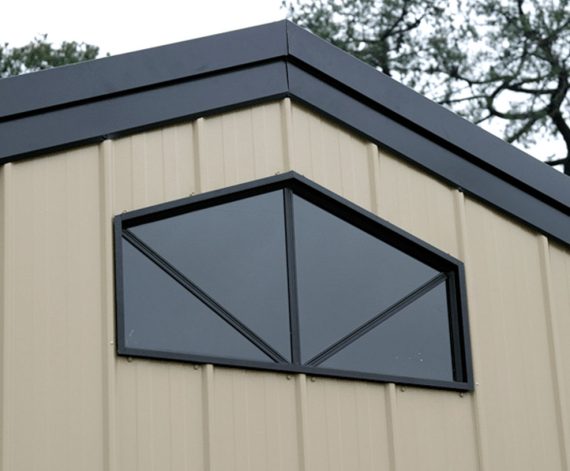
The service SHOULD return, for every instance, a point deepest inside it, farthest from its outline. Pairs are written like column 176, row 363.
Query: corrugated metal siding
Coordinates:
column 233, row 419
column 67, row 402
column 51, row 336
column 328, row 155
column 557, row 283
column 514, row 367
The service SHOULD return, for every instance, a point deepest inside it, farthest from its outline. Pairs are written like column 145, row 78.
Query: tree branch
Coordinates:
column 564, row 130
column 522, row 131
column 400, row 18
column 449, row 101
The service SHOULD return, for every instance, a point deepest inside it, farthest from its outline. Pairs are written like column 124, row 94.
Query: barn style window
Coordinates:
column 281, row 274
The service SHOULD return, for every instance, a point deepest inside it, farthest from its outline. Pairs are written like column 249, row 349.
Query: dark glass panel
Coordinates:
column 235, row 252
column 345, row 276
column 161, row 315
column 415, row 342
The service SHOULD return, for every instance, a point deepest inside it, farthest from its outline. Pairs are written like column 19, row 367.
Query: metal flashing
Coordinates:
column 122, row 114
column 125, row 73
column 422, row 115
column 89, row 102
column 540, row 213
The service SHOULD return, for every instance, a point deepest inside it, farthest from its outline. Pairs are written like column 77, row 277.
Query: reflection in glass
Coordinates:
column 414, row 342
column 235, row 252
column 345, row 276
column 163, row 316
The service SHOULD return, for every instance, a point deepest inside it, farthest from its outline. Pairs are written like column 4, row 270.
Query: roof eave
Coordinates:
column 88, row 102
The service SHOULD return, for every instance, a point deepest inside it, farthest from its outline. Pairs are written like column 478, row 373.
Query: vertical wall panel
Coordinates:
column 52, row 388
column 435, row 430
column 480, row 422
column 248, row 420
column 159, row 414
column 330, row 156
column 417, row 203
column 514, row 371
column 6, row 306
column 347, row 425
column 240, row 146
column 158, row 404
column 559, row 281
column 152, row 167
column 254, row 416
column 108, row 306
column 254, row 421
column 560, row 278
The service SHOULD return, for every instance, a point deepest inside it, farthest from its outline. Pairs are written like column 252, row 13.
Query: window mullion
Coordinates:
column 292, row 277
column 455, row 329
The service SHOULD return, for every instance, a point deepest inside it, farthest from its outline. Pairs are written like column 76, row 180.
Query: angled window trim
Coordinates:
column 450, row 273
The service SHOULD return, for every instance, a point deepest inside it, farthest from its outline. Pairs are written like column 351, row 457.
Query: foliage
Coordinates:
column 40, row 54
column 492, row 61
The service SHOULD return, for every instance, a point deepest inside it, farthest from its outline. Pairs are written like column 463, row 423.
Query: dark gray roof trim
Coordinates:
column 89, row 102
column 127, row 73
column 93, row 121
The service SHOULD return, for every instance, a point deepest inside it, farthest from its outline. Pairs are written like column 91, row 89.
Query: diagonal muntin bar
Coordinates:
column 376, row 320
column 202, row 296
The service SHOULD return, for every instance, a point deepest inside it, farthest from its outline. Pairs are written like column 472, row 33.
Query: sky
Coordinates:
column 120, row 26
column 126, row 25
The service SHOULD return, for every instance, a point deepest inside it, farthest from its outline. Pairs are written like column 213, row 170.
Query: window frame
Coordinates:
column 293, row 183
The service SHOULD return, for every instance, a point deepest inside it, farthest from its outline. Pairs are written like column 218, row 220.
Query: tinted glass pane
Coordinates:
column 163, row 316
column 414, row 342
column 345, row 276
column 235, row 252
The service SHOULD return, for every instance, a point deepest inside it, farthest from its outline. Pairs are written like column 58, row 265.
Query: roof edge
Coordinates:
column 426, row 117
column 126, row 73
column 110, row 97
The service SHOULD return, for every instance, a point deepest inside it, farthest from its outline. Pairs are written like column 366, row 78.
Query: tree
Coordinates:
column 499, row 62
column 40, row 54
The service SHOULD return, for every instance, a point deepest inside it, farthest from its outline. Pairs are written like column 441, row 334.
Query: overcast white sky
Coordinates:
column 128, row 25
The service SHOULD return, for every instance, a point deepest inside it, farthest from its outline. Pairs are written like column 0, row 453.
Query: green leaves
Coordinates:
column 40, row 54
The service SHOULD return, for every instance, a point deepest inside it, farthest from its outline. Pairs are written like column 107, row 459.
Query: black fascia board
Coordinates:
column 106, row 98
column 429, row 155
column 119, row 115
column 424, row 116
column 125, row 73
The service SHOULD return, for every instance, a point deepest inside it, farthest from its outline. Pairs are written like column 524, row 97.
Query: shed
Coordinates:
column 252, row 251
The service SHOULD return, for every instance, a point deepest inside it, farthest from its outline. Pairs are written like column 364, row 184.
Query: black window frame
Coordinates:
column 293, row 183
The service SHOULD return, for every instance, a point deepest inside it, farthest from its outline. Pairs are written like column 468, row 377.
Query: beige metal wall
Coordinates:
column 68, row 403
